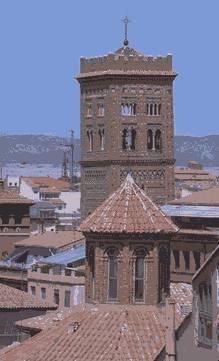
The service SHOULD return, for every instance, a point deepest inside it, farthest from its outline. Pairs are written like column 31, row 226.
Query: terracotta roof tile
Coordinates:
column 207, row 197
column 98, row 332
column 12, row 298
column 49, row 182
column 9, row 197
column 56, row 201
column 56, row 240
column 128, row 210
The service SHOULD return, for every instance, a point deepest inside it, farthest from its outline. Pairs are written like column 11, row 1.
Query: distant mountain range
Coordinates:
column 34, row 149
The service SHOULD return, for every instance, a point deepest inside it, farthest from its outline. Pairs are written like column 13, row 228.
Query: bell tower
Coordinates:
column 127, row 124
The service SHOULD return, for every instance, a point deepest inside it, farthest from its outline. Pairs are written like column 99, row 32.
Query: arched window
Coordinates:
column 124, row 138
column 133, row 138
column 128, row 108
column 90, row 139
column 112, row 274
column 91, row 265
column 159, row 109
column 158, row 139
column 139, row 275
column 147, row 109
column 149, row 139
column 164, row 272
column 155, row 109
column 102, row 138
column 128, row 138
column 151, row 109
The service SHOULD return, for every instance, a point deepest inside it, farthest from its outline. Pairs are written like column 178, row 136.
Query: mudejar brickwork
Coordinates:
column 127, row 125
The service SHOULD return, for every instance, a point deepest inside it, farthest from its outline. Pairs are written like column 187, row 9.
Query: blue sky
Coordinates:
column 41, row 42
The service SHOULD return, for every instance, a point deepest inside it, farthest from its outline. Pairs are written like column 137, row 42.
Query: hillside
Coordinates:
column 34, row 149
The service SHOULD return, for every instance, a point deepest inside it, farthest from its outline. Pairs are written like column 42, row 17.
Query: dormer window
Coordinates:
column 101, row 110
column 128, row 109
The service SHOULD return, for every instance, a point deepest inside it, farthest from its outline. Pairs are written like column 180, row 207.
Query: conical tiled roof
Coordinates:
column 128, row 210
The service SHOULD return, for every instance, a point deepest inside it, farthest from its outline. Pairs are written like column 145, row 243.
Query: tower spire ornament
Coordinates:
column 126, row 21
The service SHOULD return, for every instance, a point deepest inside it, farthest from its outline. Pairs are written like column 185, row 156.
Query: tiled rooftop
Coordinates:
column 181, row 292
column 207, row 197
column 12, row 298
column 128, row 210
column 193, row 174
column 99, row 332
column 56, row 240
column 47, row 182
column 11, row 197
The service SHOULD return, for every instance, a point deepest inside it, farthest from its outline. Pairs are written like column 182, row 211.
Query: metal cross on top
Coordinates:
column 126, row 21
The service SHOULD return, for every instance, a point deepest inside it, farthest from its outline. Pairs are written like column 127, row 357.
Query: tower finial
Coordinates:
column 126, row 21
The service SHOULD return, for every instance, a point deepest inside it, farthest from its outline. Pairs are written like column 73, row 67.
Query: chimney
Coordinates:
column 170, row 330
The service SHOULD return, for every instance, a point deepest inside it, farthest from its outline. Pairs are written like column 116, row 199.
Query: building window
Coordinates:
column 139, row 275
column 90, row 139
column 176, row 256
column 186, row 255
column 112, row 274
column 44, row 269
column 101, row 110
column 164, row 272
column 56, row 296
column 128, row 109
column 89, row 111
column 57, row 270
column 149, row 139
column 158, row 139
column 197, row 260
column 153, row 108
column 5, row 219
column 33, row 290
column 67, row 298
column 102, row 138
column 128, row 139
column 43, row 293
column 91, row 265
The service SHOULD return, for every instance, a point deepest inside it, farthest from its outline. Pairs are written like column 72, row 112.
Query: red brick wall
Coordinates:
column 126, row 269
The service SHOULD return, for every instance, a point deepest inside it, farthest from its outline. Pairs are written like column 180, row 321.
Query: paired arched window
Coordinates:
column 128, row 139
column 139, row 274
column 112, row 254
column 154, row 139
column 164, row 272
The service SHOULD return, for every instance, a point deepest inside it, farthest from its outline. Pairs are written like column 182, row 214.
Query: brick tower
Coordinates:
column 126, row 125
